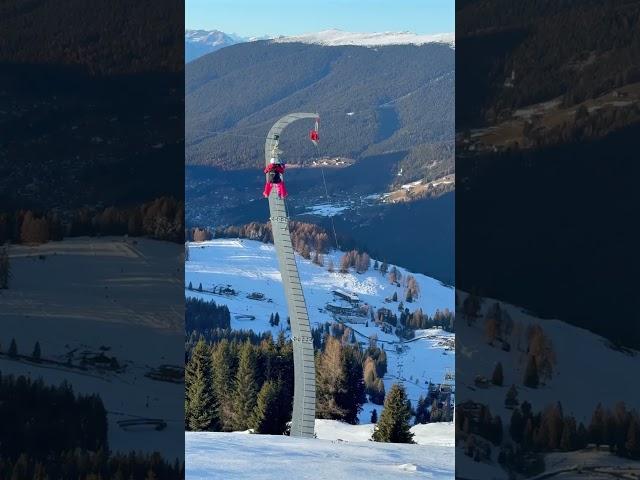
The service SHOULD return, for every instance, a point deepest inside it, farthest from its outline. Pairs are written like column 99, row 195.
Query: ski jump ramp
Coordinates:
column 304, row 397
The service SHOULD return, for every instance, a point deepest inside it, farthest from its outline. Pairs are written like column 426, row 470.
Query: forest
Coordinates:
column 51, row 432
column 161, row 219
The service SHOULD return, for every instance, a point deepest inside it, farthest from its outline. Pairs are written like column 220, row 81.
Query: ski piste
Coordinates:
column 304, row 397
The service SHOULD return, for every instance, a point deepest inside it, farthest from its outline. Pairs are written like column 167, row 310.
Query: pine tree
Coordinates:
column 221, row 359
column 13, row 348
column 200, row 405
column 37, row 354
column 395, row 296
column 393, row 425
column 200, row 287
column 632, row 443
column 531, row 379
column 5, row 269
column 497, row 377
column 374, row 416
column 276, row 319
column 511, row 399
column 384, row 268
column 265, row 418
column 244, row 395
column 190, row 286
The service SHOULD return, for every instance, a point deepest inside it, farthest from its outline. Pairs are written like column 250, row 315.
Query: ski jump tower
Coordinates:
column 304, row 397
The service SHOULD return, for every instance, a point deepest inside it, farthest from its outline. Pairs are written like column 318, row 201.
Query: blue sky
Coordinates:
column 292, row 17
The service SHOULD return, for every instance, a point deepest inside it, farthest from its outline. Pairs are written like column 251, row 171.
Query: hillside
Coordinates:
column 370, row 100
column 93, row 306
column 249, row 269
column 584, row 370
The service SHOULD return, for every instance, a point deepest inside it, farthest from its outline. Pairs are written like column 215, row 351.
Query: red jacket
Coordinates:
column 278, row 167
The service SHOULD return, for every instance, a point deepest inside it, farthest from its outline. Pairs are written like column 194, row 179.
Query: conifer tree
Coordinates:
column 190, row 286
column 531, row 373
column 37, row 354
column 632, row 443
column 200, row 287
column 265, row 418
column 498, row 377
column 393, row 425
column 13, row 348
column 374, row 416
column 200, row 405
column 511, row 400
column 384, row 268
column 5, row 269
column 244, row 395
column 222, row 379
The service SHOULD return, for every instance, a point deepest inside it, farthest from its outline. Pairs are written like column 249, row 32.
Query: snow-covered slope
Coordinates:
column 100, row 295
column 587, row 371
column 338, row 37
column 250, row 266
column 239, row 456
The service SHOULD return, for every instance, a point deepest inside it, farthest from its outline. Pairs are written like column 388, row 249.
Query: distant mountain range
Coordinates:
column 201, row 42
column 397, row 95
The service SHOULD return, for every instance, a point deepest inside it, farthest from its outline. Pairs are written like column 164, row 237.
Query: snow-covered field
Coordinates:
column 340, row 452
column 250, row 266
column 101, row 294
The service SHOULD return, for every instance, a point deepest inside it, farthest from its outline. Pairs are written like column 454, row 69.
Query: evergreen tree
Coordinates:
column 190, row 286
column 395, row 296
column 497, row 377
column 374, row 416
column 13, row 348
column 222, row 377
column 200, row 287
column 511, row 399
column 265, row 418
column 37, row 354
column 422, row 411
column 5, row 269
column 632, row 441
column 531, row 378
column 276, row 319
column 200, row 405
column 569, row 437
column 393, row 425
column 244, row 395
column 384, row 268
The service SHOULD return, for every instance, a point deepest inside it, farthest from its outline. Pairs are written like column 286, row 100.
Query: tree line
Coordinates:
column 305, row 237
column 162, row 219
column 201, row 315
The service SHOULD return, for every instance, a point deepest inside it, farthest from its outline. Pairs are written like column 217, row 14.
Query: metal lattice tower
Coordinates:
column 304, row 397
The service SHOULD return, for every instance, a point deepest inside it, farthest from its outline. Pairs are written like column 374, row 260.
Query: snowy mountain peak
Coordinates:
column 201, row 42
column 338, row 37
column 211, row 37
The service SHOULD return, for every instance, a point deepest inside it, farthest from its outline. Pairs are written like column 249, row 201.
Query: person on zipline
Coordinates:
column 274, row 172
